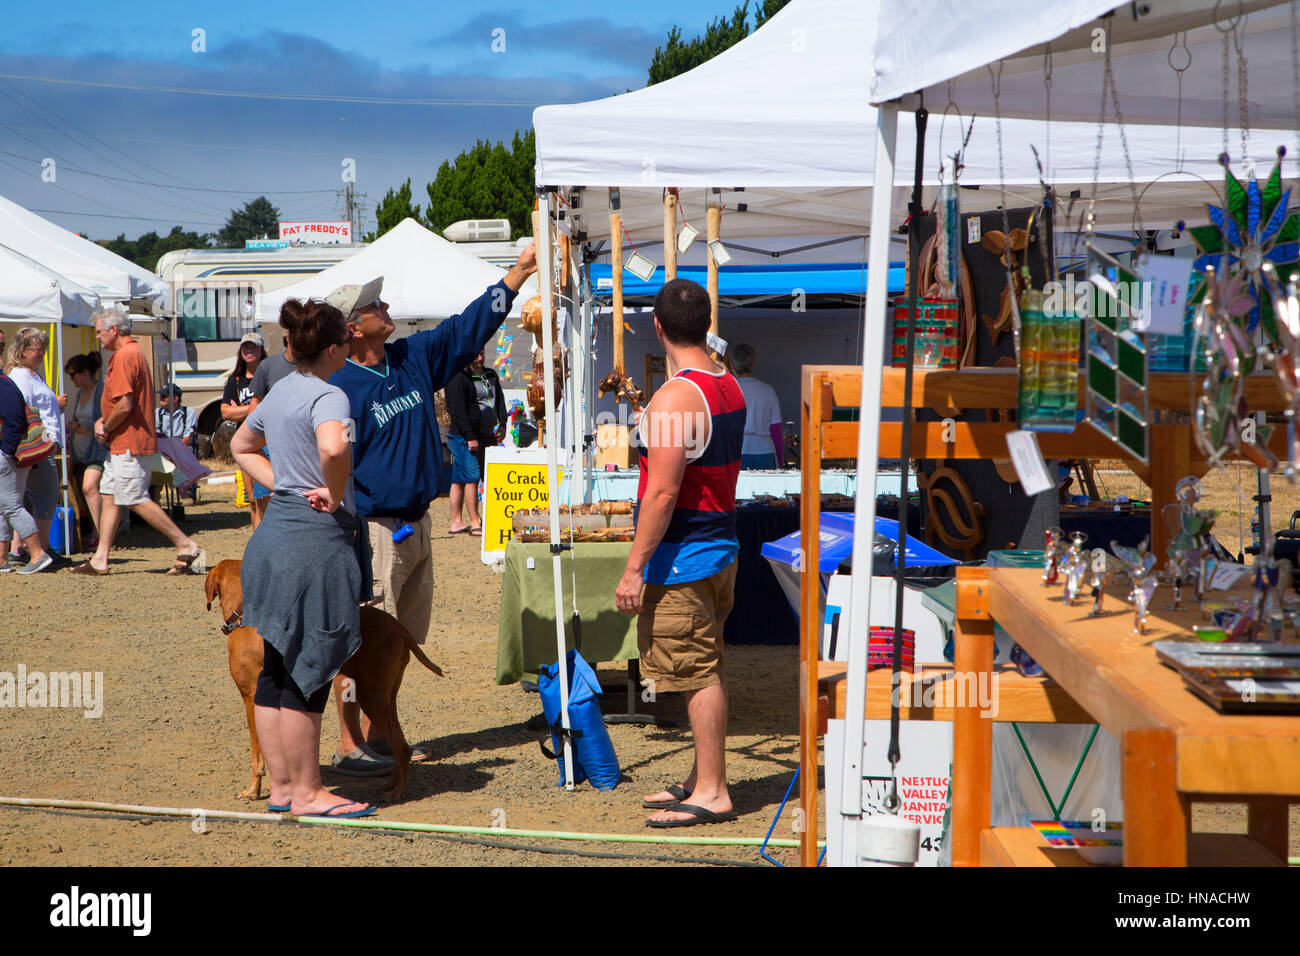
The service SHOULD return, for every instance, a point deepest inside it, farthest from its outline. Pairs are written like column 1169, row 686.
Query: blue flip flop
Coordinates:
column 278, row 807
column 342, row 816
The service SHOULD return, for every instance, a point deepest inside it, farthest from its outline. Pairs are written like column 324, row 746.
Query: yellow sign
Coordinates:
column 514, row 480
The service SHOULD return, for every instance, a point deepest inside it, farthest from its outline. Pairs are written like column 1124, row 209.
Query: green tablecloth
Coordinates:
column 526, row 634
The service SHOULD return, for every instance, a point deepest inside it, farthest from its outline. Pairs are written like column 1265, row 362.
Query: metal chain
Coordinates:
column 1109, row 80
column 1047, row 86
column 1295, row 68
column 1226, row 31
column 1243, row 104
column 1226, row 88
column 996, row 81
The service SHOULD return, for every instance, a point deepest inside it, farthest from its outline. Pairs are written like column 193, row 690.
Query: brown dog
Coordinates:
column 376, row 670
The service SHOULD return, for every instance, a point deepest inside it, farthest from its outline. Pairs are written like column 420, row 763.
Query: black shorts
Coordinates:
column 275, row 688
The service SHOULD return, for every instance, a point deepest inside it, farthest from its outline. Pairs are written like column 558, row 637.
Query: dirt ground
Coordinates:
column 173, row 734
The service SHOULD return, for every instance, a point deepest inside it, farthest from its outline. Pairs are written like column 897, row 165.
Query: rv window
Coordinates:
column 220, row 314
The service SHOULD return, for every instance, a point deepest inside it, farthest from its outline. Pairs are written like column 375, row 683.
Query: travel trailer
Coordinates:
column 212, row 293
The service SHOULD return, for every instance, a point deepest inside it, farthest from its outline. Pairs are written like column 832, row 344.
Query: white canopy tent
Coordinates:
column 108, row 275
column 425, row 276
column 30, row 292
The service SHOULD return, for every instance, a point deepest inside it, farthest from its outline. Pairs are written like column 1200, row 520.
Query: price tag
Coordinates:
column 1028, row 462
column 973, row 229
column 1226, row 575
column 1164, row 295
column 716, row 344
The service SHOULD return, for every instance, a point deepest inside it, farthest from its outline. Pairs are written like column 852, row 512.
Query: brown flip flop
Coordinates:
column 85, row 567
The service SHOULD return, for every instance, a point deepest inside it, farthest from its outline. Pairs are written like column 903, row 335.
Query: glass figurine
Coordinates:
column 1100, row 577
column 1178, row 569
column 1272, row 580
column 1075, row 567
column 1052, row 555
column 1140, row 565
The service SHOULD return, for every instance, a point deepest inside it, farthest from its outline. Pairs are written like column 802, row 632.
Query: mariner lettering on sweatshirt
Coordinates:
column 397, row 457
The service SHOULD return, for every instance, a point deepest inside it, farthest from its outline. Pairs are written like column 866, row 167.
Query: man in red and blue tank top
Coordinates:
column 681, row 575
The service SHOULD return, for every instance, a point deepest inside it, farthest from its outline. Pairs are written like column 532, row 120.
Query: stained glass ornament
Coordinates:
column 1116, row 397
column 1253, row 227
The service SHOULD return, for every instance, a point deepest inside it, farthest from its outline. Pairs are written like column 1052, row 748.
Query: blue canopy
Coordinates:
column 836, row 278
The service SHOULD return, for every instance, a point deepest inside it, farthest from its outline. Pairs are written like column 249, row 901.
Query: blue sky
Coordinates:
column 185, row 158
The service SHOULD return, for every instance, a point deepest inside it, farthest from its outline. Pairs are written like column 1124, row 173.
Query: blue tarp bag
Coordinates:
column 593, row 752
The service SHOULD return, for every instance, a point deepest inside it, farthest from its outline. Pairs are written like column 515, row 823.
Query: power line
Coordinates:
column 252, row 95
column 28, row 96
column 206, row 147
column 104, row 215
column 71, row 193
column 72, row 166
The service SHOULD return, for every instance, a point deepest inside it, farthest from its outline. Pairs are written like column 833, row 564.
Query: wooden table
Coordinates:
column 1175, row 747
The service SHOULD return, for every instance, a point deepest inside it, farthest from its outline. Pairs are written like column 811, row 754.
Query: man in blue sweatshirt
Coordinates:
column 397, row 453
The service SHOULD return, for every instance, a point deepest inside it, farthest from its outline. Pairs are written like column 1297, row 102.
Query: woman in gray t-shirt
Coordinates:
column 300, row 575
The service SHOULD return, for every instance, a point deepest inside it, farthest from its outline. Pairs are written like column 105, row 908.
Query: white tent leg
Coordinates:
column 63, row 453
column 864, row 511
column 544, row 253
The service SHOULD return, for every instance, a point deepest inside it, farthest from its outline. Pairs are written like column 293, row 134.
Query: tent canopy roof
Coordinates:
column 30, row 292
column 922, row 45
column 425, row 276
column 785, row 114
column 107, row 274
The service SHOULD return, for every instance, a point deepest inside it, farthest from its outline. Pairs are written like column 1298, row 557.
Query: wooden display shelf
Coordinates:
column 1176, row 748
column 1030, row 700
column 1173, row 455
column 1025, row 846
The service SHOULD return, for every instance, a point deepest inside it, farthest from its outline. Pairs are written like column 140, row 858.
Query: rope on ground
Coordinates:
column 368, row 823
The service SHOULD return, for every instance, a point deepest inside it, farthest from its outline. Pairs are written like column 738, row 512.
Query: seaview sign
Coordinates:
column 321, row 232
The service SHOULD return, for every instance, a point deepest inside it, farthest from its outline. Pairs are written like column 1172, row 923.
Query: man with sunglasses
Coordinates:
column 397, row 456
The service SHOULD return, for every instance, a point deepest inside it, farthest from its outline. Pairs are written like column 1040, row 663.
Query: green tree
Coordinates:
column 395, row 206
column 150, row 247
column 488, row 181
column 678, row 56
column 258, row 218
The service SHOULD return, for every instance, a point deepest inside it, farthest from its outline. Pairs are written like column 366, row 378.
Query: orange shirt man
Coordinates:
column 126, row 427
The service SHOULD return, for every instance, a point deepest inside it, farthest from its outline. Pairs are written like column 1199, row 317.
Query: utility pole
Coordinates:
column 349, row 204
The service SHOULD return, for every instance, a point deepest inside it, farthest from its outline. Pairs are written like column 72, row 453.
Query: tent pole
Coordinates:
column 864, row 516
column 670, row 235
column 542, row 233
column 589, row 376
column 616, row 277
column 713, row 218
column 63, row 451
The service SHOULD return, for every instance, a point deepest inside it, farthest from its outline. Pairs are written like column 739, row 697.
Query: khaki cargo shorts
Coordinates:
column 679, row 631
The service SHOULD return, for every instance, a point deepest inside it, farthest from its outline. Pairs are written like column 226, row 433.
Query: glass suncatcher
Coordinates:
column 1047, row 398
column 1245, row 280
column 1117, row 401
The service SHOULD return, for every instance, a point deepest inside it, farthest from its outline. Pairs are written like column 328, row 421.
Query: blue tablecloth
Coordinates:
column 621, row 485
column 1103, row 527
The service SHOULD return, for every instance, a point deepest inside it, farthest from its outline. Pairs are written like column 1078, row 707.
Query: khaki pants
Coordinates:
column 403, row 573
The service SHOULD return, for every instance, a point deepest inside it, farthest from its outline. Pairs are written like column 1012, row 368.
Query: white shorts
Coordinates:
column 127, row 476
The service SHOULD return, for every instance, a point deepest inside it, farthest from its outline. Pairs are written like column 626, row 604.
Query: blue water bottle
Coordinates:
column 402, row 533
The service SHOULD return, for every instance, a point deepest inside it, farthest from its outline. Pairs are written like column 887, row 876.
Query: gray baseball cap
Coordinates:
column 348, row 298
